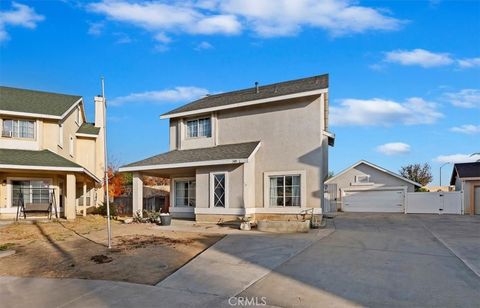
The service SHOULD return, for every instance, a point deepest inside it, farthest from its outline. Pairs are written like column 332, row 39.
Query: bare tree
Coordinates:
column 418, row 173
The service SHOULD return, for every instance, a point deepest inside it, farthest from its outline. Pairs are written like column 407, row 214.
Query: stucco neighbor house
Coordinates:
column 49, row 152
column 260, row 152
column 466, row 178
column 366, row 187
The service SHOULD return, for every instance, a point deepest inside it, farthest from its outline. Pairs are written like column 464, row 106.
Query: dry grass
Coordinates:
column 140, row 253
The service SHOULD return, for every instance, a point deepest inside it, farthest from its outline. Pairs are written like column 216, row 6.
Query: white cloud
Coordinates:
column 466, row 98
column 264, row 17
column 177, row 94
column 20, row 15
column 160, row 18
column 286, row 17
column 378, row 111
column 456, row 158
column 204, row 45
column 394, row 148
column 419, row 57
column 468, row 63
column 467, row 129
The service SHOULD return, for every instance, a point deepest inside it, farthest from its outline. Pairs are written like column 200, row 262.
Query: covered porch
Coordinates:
column 205, row 182
column 42, row 177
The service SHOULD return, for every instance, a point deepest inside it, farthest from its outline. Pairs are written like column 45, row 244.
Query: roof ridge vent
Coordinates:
column 257, row 89
column 275, row 89
column 317, row 80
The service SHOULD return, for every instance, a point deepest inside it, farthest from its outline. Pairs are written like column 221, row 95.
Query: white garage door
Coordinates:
column 391, row 201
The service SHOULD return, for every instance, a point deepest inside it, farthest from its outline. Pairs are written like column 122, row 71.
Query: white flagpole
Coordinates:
column 109, row 227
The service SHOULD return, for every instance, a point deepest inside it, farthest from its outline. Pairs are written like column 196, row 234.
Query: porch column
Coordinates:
column 92, row 196
column 137, row 193
column 70, row 212
column 84, row 198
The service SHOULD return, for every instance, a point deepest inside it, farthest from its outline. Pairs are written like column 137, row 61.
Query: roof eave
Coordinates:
column 184, row 165
column 246, row 103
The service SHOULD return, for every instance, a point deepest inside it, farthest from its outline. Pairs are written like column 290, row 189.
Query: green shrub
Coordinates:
column 102, row 210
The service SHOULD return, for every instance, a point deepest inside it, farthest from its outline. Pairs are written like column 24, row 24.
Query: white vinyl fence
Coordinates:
column 434, row 203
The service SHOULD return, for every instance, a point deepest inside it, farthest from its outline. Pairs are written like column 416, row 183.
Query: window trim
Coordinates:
column 211, row 193
column 10, row 187
column 173, row 192
column 18, row 120
column 60, row 135
column 303, row 188
column 187, row 137
column 71, row 146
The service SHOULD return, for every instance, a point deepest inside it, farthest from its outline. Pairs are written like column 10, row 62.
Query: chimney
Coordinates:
column 99, row 111
column 257, row 90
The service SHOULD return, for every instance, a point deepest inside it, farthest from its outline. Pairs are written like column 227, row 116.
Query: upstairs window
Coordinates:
column 23, row 129
column 60, row 135
column 71, row 146
column 199, row 128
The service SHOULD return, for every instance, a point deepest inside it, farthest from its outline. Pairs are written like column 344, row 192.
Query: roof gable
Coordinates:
column 15, row 100
column 375, row 167
column 465, row 170
column 275, row 90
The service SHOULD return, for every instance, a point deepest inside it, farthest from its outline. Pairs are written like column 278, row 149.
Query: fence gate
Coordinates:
column 434, row 203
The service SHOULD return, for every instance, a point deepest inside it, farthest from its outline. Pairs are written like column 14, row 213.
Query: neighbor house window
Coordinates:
column 30, row 192
column 60, row 135
column 218, row 189
column 285, row 190
column 199, row 128
column 361, row 179
column 18, row 129
column 71, row 145
column 185, row 195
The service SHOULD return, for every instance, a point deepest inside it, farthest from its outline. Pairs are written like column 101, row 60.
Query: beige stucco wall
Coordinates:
column 290, row 133
column 379, row 178
column 85, row 153
column 235, row 185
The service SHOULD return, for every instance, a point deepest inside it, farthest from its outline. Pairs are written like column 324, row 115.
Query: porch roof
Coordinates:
column 218, row 155
column 43, row 160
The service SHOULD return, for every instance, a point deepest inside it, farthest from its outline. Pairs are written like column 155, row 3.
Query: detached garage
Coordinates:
column 366, row 187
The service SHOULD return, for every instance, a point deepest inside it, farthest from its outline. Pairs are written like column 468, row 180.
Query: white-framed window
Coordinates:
column 285, row 190
column 23, row 129
column 31, row 191
column 184, row 193
column 219, row 189
column 199, row 128
column 60, row 135
column 77, row 116
column 362, row 179
column 71, row 145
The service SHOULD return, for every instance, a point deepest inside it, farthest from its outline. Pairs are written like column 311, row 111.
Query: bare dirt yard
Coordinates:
column 141, row 253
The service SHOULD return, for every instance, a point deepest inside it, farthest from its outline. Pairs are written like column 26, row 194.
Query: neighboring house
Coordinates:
column 466, row 178
column 261, row 152
column 365, row 187
column 49, row 152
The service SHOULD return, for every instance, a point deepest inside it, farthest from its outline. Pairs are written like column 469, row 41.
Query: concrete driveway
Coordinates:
column 381, row 260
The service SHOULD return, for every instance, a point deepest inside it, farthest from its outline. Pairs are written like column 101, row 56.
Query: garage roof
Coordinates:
column 376, row 167
column 465, row 170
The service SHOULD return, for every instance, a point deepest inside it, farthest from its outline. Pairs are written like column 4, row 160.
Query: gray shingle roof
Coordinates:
column 22, row 100
column 465, row 170
column 219, row 152
column 245, row 95
column 34, row 158
column 89, row 129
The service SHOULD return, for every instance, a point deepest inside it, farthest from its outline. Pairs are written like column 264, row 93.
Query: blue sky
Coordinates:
column 404, row 75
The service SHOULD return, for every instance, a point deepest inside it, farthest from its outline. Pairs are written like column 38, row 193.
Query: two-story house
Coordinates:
column 260, row 152
column 49, row 153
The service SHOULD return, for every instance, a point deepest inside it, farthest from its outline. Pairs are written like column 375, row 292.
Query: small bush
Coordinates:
column 422, row 189
column 6, row 246
column 102, row 210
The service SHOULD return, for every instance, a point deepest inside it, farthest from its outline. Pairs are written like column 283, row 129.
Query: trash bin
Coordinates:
column 165, row 219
